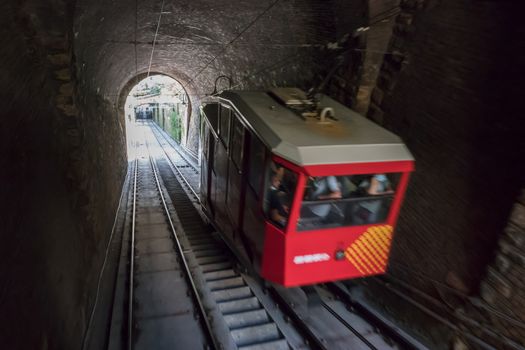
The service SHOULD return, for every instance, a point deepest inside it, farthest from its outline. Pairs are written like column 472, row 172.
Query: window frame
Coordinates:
column 390, row 197
column 224, row 139
column 257, row 188
column 266, row 187
column 237, row 147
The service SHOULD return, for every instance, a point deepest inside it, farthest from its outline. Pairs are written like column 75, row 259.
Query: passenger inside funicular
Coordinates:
column 372, row 211
column 279, row 194
column 321, row 188
column 335, row 201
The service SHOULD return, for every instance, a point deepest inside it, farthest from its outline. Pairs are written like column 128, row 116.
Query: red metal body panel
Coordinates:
column 398, row 199
column 294, row 258
column 320, row 242
column 274, row 254
column 309, row 257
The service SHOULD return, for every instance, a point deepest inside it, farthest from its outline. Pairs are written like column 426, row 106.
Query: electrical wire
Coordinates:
column 172, row 43
column 381, row 16
column 155, row 38
column 236, row 37
column 391, row 12
column 135, row 41
column 274, row 66
column 219, row 54
column 270, row 68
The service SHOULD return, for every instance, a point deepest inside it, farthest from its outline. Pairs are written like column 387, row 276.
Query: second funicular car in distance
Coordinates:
column 307, row 191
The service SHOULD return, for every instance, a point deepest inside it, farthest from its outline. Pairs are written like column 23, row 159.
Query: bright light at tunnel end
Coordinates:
column 159, row 98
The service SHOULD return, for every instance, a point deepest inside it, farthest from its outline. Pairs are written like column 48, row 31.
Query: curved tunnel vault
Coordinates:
column 267, row 45
column 256, row 44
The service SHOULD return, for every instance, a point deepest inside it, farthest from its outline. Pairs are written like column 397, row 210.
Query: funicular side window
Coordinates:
column 237, row 142
column 257, row 152
column 335, row 201
column 224, row 125
column 279, row 193
column 204, row 137
column 211, row 111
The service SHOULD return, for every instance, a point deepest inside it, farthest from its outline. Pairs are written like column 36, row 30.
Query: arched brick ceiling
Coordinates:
column 256, row 43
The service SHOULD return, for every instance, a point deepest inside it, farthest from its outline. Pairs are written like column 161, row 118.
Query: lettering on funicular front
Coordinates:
column 310, row 258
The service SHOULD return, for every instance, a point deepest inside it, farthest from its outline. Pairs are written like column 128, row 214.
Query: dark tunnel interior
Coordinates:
column 446, row 76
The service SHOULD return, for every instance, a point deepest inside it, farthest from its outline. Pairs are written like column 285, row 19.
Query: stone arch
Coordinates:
column 190, row 90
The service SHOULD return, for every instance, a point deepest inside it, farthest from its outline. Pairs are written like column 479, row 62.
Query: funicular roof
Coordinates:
column 350, row 139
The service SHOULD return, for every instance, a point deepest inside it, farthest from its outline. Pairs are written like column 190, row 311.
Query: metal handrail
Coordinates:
column 350, row 199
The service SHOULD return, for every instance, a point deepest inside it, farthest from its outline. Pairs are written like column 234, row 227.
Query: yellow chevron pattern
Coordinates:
column 369, row 253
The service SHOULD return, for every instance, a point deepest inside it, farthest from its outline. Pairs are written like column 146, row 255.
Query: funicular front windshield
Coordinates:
column 336, row 201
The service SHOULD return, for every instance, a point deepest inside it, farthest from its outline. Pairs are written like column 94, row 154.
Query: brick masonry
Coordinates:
column 62, row 167
column 449, row 87
column 199, row 41
column 502, row 290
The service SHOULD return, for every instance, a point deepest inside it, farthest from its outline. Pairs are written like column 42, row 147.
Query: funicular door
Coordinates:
column 219, row 187
column 234, row 199
column 207, row 157
column 209, row 129
column 253, row 217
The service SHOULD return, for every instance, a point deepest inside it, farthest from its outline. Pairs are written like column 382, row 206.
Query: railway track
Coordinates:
column 230, row 308
column 161, row 287
column 183, row 152
column 185, row 167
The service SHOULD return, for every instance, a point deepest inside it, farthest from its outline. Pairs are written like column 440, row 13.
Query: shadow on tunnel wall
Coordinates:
column 455, row 102
column 62, row 166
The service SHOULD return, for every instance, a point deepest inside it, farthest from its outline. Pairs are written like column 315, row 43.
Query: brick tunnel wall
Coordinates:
column 449, row 87
column 288, row 46
column 444, row 90
column 502, row 292
column 61, row 172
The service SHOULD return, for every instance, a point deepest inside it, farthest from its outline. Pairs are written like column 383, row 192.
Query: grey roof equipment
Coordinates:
column 349, row 138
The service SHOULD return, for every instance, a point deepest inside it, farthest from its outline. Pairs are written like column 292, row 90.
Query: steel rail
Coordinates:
column 177, row 147
column 132, row 260
column 159, row 130
column 177, row 168
column 348, row 325
column 310, row 336
column 170, row 140
column 204, row 317
column 370, row 317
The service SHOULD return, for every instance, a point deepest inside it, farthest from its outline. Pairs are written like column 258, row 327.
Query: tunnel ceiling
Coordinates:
column 256, row 43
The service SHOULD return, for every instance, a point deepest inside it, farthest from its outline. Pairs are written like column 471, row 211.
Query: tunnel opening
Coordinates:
column 160, row 99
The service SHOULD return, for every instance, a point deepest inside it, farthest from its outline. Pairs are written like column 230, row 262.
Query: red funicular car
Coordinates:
column 306, row 190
